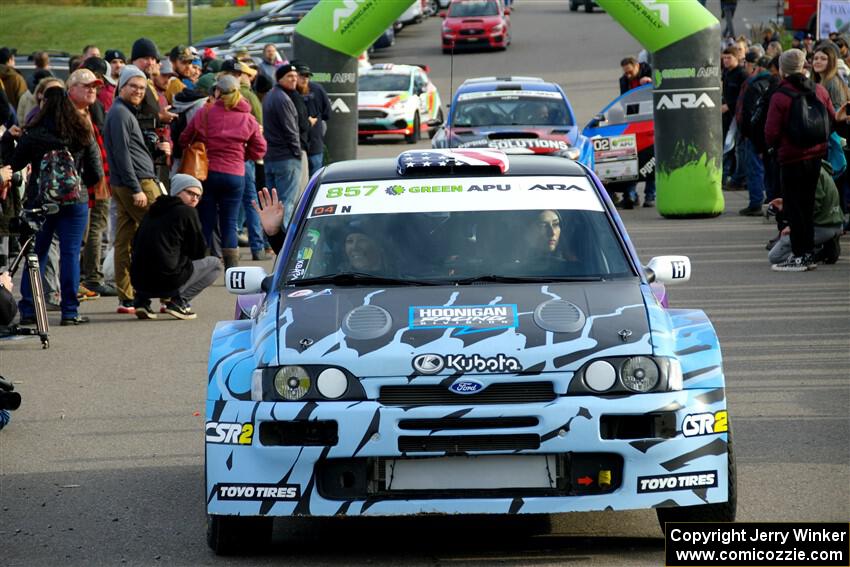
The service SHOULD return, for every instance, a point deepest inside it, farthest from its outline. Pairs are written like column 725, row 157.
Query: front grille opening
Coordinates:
column 299, row 433
column 646, row 426
column 459, row 444
column 462, row 423
column 436, row 395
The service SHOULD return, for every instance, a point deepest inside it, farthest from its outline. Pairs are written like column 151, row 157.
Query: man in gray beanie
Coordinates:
column 132, row 176
column 169, row 253
column 800, row 147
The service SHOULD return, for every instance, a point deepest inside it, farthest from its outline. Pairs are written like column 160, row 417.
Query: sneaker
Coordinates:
column 126, row 306
column 105, row 290
column 795, row 264
column 259, row 255
column 649, row 203
column 84, row 293
column 625, row 203
column 145, row 311
column 179, row 309
column 751, row 211
column 27, row 321
column 78, row 320
column 242, row 239
column 830, row 251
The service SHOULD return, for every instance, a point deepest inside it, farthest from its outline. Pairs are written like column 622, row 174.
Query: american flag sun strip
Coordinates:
column 446, row 158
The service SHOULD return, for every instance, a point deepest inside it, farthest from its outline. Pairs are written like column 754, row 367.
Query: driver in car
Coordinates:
column 363, row 253
column 544, row 234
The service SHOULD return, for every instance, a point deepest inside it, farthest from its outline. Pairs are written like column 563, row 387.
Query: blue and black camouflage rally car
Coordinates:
column 461, row 332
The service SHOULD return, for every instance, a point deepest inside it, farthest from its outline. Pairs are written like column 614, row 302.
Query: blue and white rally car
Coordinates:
column 517, row 115
column 462, row 332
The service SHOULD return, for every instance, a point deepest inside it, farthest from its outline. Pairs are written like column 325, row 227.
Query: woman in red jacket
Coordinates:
column 232, row 136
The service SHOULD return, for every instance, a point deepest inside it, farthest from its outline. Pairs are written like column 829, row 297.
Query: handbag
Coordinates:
column 195, row 161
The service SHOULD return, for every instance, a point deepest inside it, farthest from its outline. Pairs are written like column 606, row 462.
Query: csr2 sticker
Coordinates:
column 705, row 423
column 686, row 481
column 227, row 433
column 468, row 318
column 243, row 491
column 433, row 363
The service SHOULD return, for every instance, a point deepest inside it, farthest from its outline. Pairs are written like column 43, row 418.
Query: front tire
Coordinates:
column 230, row 535
column 721, row 512
column 414, row 136
column 433, row 131
column 588, row 6
column 573, row 5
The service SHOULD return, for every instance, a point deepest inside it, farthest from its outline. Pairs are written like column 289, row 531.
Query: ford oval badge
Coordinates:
column 466, row 387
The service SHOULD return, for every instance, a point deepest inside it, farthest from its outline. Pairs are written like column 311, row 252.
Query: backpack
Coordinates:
column 755, row 91
column 808, row 121
column 758, row 119
column 59, row 181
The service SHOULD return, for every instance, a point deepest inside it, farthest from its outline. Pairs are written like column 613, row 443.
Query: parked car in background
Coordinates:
column 517, row 115
column 800, row 15
column 397, row 99
column 58, row 64
column 588, row 5
column 415, row 13
column 476, row 23
column 253, row 43
column 253, row 16
column 623, row 136
column 289, row 14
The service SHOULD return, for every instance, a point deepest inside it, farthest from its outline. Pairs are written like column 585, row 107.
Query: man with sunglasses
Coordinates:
column 169, row 253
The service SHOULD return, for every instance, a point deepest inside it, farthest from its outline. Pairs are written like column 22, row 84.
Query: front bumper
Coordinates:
column 257, row 479
column 457, row 41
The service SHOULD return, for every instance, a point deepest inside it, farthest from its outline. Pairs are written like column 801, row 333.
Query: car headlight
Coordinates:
column 332, row 383
column 639, row 374
column 497, row 29
column 291, row 382
column 628, row 375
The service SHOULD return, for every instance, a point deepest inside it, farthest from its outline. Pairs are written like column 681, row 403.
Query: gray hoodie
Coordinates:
column 129, row 160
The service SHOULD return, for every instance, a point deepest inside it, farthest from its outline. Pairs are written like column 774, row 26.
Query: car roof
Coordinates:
column 391, row 69
column 386, row 168
column 486, row 84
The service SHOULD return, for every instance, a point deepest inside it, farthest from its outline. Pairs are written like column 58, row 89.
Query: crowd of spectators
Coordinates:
column 802, row 183
column 138, row 228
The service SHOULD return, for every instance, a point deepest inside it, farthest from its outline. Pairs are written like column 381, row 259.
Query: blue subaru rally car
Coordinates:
column 517, row 115
column 461, row 332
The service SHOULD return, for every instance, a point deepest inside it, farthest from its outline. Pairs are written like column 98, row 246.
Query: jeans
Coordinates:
column 285, row 176
column 755, row 174
column 630, row 191
column 220, row 205
column 782, row 248
column 68, row 224
column 728, row 15
column 204, row 273
column 98, row 220
column 315, row 162
column 249, row 194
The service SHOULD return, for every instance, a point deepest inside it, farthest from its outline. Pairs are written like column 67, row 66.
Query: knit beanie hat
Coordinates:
column 144, row 47
column 205, row 83
column 127, row 73
column 792, row 61
column 181, row 182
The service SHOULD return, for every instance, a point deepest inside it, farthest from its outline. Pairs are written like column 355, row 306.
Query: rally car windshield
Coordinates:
column 473, row 9
column 392, row 243
column 509, row 109
column 383, row 82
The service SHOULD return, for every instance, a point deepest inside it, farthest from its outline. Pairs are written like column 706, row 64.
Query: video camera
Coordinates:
column 9, row 398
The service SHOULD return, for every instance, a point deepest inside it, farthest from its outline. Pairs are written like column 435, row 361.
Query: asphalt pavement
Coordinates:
column 103, row 463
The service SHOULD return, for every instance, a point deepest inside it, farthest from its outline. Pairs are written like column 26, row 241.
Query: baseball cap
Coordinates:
column 96, row 65
column 165, row 67
column 83, row 76
column 304, row 69
column 227, row 84
column 183, row 53
column 234, row 66
column 112, row 54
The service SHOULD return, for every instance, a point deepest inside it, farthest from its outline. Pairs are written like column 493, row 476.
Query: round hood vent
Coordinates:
column 366, row 322
column 559, row 316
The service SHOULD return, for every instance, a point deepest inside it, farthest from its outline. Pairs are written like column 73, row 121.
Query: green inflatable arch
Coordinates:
column 682, row 36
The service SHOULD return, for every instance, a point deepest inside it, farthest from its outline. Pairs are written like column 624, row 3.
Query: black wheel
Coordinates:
column 229, row 535
column 413, row 137
column 573, row 5
column 722, row 512
column 363, row 137
column 588, row 6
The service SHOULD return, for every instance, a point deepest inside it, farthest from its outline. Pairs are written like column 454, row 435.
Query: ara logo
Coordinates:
column 345, row 12
column 685, row 100
column 466, row 387
column 339, row 106
column 555, row 187
column 661, row 7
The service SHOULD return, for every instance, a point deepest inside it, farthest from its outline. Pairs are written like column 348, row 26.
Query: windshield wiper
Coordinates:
column 356, row 278
column 525, row 279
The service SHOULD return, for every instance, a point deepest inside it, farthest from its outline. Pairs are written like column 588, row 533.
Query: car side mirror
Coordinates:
column 668, row 269
column 596, row 121
column 443, row 15
column 246, row 280
column 507, row 11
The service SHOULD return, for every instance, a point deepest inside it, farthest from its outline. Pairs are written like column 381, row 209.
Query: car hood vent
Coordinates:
column 559, row 316
column 366, row 322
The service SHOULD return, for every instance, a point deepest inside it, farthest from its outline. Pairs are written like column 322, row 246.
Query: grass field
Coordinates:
column 31, row 28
